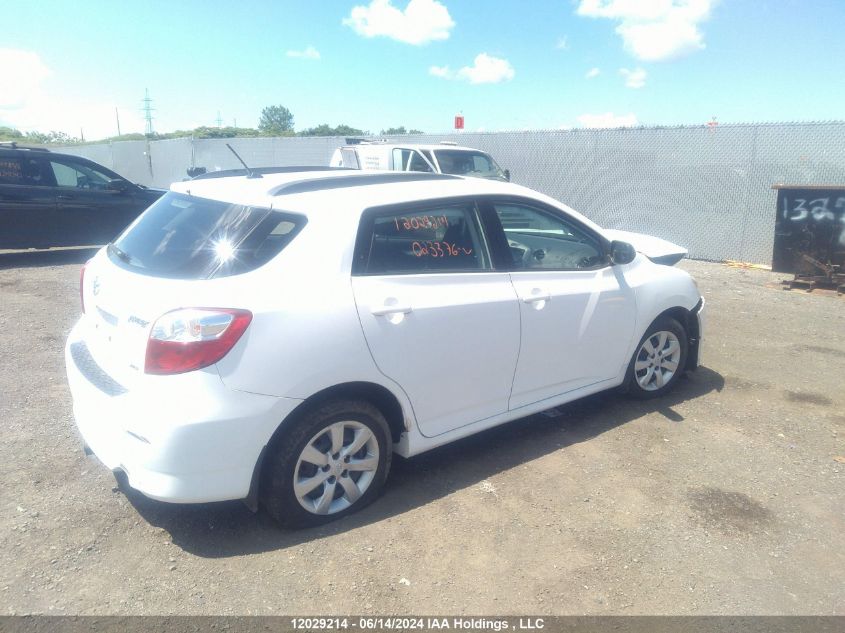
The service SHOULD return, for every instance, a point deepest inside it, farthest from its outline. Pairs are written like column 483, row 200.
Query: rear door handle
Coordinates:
column 394, row 309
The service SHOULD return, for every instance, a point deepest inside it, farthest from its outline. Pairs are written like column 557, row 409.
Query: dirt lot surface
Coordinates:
column 723, row 498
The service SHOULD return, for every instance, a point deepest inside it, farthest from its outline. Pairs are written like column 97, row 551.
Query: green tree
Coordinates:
column 224, row 132
column 326, row 130
column 395, row 131
column 276, row 120
column 10, row 134
column 53, row 136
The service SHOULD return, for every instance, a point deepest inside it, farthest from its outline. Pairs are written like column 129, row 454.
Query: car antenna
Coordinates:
column 249, row 172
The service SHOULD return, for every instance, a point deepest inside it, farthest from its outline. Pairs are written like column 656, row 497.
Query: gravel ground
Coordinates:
column 723, row 498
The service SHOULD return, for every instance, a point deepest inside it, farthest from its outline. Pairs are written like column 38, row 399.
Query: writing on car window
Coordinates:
column 434, row 240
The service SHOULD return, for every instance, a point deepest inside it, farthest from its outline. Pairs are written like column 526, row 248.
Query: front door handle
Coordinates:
column 393, row 309
column 65, row 196
column 538, row 297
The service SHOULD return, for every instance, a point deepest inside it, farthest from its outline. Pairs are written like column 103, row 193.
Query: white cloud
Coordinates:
column 607, row 119
column 308, row 53
column 27, row 103
column 95, row 119
column 21, row 75
column 633, row 78
column 654, row 30
column 441, row 71
column 422, row 21
column 485, row 69
column 593, row 72
column 562, row 43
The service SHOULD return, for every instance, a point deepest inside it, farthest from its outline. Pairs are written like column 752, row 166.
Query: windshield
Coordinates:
column 185, row 237
column 468, row 163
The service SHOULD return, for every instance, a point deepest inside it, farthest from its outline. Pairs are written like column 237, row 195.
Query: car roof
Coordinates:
column 14, row 146
column 275, row 189
column 312, row 192
column 33, row 150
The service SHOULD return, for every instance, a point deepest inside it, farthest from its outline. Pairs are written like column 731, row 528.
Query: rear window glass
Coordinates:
column 185, row 237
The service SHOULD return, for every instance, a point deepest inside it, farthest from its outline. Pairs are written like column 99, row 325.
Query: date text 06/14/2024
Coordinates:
column 417, row 623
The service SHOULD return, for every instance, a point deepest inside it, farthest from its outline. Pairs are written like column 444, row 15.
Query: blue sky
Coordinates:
column 504, row 64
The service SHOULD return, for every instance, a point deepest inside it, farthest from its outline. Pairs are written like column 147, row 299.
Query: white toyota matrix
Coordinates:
column 277, row 338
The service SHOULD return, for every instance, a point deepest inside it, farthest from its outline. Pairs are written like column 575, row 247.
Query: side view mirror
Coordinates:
column 508, row 175
column 116, row 185
column 621, row 253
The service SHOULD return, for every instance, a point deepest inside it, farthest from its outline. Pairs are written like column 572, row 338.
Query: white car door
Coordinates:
column 578, row 314
column 438, row 320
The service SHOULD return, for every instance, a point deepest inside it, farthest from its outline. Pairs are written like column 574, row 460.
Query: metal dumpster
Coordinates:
column 810, row 234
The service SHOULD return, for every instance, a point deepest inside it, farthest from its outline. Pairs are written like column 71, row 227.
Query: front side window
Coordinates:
column 540, row 239
column 186, row 237
column 79, row 176
column 467, row 163
column 435, row 239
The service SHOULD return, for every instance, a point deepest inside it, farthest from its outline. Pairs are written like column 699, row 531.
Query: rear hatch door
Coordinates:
column 183, row 252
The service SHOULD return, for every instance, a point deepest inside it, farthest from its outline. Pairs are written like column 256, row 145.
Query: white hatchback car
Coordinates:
column 276, row 339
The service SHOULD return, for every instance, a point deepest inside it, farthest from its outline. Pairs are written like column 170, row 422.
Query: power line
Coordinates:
column 148, row 112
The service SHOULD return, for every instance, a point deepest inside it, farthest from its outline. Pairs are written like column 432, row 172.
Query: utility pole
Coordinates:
column 117, row 118
column 148, row 112
column 219, row 120
column 148, row 129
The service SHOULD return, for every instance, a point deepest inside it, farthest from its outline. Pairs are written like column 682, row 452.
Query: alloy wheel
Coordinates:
column 657, row 360
column 336, row 467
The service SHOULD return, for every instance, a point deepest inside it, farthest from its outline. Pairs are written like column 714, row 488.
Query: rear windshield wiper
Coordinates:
column 121, row 255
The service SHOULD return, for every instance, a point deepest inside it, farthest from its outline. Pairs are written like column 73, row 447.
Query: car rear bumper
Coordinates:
column 185, row 438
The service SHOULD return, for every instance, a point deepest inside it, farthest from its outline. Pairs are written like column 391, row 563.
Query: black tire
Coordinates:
column 283, row 457
column 632, row 384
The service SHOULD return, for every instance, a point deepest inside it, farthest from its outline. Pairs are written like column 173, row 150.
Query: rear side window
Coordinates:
column 185, row 237
column 409, row 160
column 11, row 171
column 435, row 239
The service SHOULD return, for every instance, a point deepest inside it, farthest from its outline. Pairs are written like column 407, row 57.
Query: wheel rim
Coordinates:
column 336, row 467
column 657, row 360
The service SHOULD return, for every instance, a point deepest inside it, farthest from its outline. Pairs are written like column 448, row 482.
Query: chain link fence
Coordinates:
column 708, row 189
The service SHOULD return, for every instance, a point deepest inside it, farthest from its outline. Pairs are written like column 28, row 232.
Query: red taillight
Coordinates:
column 82, row 286
column 193, row 338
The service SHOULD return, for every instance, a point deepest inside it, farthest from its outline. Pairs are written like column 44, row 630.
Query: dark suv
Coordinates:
column 51, row 199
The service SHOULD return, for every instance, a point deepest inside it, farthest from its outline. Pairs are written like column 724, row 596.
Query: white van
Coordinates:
column 443, row 158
